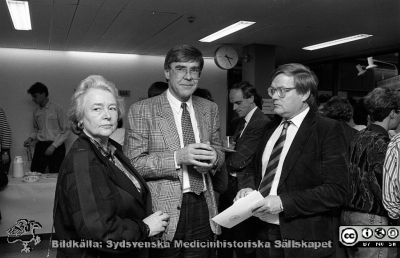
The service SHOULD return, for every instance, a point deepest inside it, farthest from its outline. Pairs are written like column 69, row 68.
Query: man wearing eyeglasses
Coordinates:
column 173, row 140
column 300, row 170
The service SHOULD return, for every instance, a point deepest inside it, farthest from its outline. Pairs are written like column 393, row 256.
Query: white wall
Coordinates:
column 62, row 72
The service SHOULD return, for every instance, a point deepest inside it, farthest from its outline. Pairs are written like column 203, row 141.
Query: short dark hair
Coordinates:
column 323, row 98
column 304, row 80
column 38, row 87
column 120, row 123
column 338, row 108
column 156, row 89
column 248, row 91
column 203, row 93
column 183, row 53
column 380, row 102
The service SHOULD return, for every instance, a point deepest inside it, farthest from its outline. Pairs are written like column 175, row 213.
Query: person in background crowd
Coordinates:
column 345, row 112
column 50, row 127
column 99, row 195
column 5, row 146
column 391, row 182
column 156, row 89
column 391, row 179
column 203, row 93
column 173, row 140
column 322, row 99
column 392, row 133
column 300, row 169
column 250, row 129
column 360, row 114
column 5, row 143
column 340, row 109
column 367, row 155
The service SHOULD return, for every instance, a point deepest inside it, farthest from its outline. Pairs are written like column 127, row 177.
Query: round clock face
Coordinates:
column 226, row 57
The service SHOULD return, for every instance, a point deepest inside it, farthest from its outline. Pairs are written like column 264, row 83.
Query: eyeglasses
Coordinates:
column 183, row 71
column 281, row 91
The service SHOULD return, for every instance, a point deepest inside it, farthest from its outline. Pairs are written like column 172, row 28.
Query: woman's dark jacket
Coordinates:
column 96, row 202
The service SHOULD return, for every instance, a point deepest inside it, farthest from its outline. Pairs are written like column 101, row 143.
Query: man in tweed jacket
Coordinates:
column 155, row 147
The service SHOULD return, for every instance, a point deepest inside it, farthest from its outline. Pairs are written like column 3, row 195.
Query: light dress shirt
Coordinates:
column 177, row 112
column 247, row 119
column 290, row 134
column 50, row 124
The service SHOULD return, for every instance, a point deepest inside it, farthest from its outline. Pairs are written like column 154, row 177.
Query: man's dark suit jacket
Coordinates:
column 246, row 147
column 96, row 201
column 313, row 184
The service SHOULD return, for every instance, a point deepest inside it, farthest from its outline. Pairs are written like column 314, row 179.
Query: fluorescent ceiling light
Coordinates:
column 227, row 30
column 83, row 54
column 337, row 41
column 19, row 11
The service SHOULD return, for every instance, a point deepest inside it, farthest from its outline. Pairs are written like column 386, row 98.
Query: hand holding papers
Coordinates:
column 239, row 211
column 271, row 204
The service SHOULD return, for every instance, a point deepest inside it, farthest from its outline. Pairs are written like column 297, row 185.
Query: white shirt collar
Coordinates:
column 176, row 103
column 298, row 119
column 250, row 114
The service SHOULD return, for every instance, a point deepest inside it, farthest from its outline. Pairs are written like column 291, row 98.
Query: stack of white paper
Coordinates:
column 239, row 211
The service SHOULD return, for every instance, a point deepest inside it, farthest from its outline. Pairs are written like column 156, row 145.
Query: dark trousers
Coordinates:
column 40, row 161
column 4, row 167
column 193, row 224
column 269, row 232
column 243, row 232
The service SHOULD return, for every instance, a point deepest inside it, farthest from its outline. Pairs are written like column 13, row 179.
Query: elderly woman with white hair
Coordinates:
column 100, row 198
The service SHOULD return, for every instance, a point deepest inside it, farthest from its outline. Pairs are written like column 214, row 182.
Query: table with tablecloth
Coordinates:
column 31, row 201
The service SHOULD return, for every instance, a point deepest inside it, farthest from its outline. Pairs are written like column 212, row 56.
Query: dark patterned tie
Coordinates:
column 239, row 129
column 195, row 178
column 266, row 182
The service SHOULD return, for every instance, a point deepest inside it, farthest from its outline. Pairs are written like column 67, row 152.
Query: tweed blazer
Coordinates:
column 150, row 143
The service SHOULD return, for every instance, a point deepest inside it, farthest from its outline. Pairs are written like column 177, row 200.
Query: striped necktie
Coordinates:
column 266, row 182
column 195, row 178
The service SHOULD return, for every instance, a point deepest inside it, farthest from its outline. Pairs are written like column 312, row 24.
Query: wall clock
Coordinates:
column 226, row 57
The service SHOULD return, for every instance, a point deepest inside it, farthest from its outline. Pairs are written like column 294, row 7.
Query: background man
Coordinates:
column 50, row 130
column 366, row 165
column 156, row 88
column 5, row 143
column 300, row 167
column 172, row 141
column 250, row 129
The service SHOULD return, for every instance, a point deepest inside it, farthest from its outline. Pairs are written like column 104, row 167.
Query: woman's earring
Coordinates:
column 80, row 125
